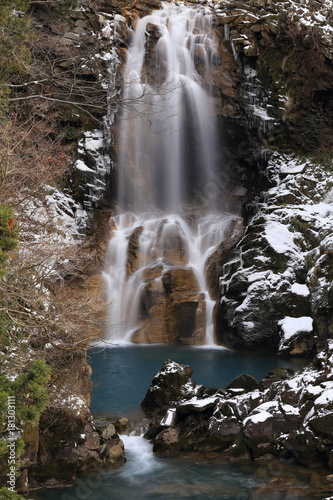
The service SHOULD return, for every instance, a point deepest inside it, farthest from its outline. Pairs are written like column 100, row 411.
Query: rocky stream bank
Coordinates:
column 284, row 419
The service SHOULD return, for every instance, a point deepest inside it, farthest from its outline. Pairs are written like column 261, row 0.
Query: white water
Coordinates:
column 158, row 238
column 142, row 460
column 167, row 136
column 167, row 163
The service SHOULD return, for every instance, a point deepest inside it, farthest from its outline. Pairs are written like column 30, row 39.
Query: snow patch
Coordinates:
column 259, row 417
column 279, row 237
column 80, row 165
column 325, row 398
column 291, row 327
column 300, row 290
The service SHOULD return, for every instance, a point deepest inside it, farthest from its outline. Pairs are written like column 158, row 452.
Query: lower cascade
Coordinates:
column 168, row 230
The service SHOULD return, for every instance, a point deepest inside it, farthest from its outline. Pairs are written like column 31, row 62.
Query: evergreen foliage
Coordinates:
column 30, row 389
column 31, row 398
column 5, row 494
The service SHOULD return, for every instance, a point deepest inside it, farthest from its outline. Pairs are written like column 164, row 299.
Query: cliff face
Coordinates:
column 274, row 112
column 272, row 90
column 275, row 292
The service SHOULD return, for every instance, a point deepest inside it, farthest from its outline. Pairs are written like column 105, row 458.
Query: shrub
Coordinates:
column 31, row 391
column 5, row 494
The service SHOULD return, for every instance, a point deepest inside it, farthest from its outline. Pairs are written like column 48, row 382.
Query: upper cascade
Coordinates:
column 168, row 143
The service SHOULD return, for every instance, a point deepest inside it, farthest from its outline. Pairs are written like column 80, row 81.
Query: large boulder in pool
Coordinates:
column 288, row 416
column 170, row 386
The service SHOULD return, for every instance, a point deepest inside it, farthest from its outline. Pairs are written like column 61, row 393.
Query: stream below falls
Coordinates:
column 121, row 376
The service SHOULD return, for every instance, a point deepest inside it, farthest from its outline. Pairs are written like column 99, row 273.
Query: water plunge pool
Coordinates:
column 121, row 376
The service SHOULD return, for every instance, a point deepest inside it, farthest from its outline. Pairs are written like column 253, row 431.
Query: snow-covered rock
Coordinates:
column 290, row 418
column 277, row 293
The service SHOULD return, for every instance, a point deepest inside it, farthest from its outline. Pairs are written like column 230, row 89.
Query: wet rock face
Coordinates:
column 183, row 300
column 172, row 309
column 221, row 255
column 288, row 418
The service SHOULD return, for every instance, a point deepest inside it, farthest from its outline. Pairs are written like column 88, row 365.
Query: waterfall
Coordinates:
column 170, row 198
column 167, row 136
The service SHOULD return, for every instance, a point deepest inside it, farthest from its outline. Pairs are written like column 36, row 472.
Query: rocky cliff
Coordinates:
column 272, row 90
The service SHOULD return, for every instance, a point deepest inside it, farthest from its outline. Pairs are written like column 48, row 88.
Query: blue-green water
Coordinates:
column 121, row 377
column 146, row 477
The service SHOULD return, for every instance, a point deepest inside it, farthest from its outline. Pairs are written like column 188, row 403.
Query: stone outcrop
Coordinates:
column 275, row 292
column 172, row 309
column 287, row 419
column 171, row 384
column 268, row 40
column 68, row 444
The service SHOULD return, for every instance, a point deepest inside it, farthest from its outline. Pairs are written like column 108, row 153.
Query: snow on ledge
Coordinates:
column 291, row 327
column 280, row 238
column 80, row 165
column 326, row 398
column 257, row 418
column 300, row 290
column 292, row 167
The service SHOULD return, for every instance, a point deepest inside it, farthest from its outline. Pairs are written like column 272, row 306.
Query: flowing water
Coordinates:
column 147, row 477
column 168, row 131
column 171, row 202
column 120, row 382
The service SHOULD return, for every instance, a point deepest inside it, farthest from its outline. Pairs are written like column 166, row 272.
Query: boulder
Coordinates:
column 166, row 442
column 122, row 425
column 244, row 381
column 259, row 430
column 171, row 385
column 114, row 452
column 322, row 424
column 196, row 405
column 291, row 419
